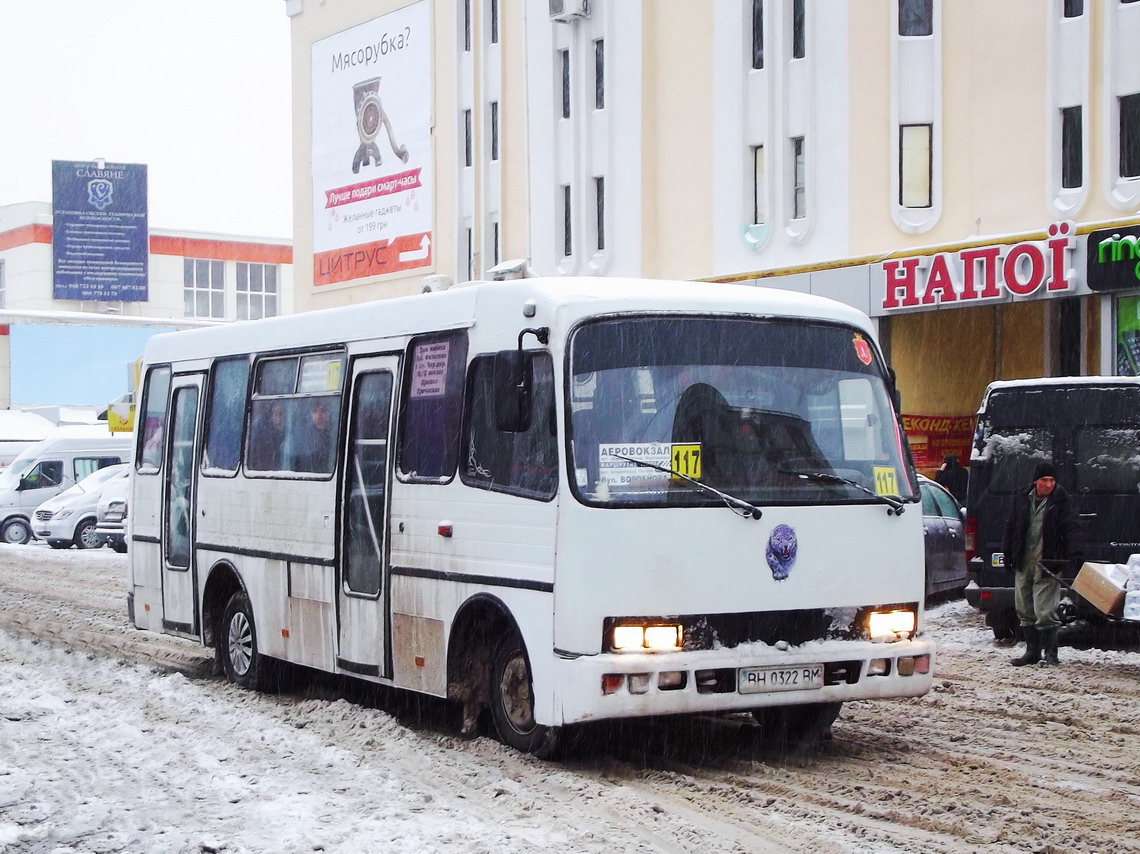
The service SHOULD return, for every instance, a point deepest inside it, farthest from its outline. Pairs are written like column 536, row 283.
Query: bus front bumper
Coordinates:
column 751, row 676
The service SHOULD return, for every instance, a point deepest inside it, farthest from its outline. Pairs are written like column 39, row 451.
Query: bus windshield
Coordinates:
column 749, row 406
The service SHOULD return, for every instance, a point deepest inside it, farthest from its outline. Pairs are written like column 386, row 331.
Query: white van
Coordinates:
column 49, row 467
column 19, row 431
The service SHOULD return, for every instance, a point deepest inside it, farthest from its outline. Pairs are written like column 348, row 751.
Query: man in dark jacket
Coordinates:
column 953, row 476
column 1039, row 536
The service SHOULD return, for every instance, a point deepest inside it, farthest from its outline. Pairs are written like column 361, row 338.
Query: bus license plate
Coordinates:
column 754, row 680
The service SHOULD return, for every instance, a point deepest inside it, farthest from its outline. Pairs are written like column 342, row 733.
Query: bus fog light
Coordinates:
column 629, row 637
column 891, row 625
column 671, row 680
column 663, row 637
column 646, row 638
column 612, row 682
column 639, row 683
column 911, row 664
column 880, row 667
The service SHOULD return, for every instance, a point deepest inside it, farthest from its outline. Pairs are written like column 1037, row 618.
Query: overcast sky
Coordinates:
column 199, row 90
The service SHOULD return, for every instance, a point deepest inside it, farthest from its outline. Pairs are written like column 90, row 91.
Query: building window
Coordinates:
column 916, row 17
column 799, row 179
column 467, row 25
column 494, row 21
column 1074, row 8
column 1130, row 136
column 600, row 74
column 565, row 57
column 495, row 243
column 798, row 15
column 494, row 130
column 566, row 232
column 759, row 187
column 256, row 291
column 203, row 292
column 757, row 33
column 467, row 138
column 600, row 198
column 470, row 256
column 916, row 168
column 1072, row 152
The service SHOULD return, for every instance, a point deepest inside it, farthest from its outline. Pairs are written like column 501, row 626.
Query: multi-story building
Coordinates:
column 967, row 173
column 75, row 352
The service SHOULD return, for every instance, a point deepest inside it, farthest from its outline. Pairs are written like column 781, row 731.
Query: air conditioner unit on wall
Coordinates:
column 567, row 10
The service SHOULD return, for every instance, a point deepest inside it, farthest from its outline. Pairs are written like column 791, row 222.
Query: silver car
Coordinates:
column 111, row 515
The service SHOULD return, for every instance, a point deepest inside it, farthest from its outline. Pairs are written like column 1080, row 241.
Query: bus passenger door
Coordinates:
column 363, row 578
column 179, row 611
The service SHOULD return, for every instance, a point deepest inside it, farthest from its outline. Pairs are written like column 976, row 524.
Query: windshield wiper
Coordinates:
column 735, row 504
column 892, row 501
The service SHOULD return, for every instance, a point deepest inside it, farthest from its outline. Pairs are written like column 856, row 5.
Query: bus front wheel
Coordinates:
column 512, row 702
column 237, row 644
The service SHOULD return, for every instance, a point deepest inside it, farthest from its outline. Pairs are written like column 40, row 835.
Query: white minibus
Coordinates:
column 552, row 500
column 50, row 466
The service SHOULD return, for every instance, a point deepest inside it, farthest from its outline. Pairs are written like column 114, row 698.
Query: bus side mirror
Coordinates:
column 513, row 387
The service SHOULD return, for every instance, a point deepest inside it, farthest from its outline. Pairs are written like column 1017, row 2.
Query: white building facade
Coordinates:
column 859, row 150
column 65, row 352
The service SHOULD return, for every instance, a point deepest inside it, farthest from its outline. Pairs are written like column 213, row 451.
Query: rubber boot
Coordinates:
column 1032, row 647
column 1049, row 646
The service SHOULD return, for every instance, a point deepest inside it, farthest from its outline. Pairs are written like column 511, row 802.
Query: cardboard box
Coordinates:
column 1102, row 585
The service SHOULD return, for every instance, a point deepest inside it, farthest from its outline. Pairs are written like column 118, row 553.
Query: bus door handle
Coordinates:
column 1088, row 515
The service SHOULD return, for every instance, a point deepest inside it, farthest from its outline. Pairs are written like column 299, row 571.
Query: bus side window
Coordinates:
column 228, row 383
column 524, row 463
column 153, row 420
column 431, row 409
column 295, row 415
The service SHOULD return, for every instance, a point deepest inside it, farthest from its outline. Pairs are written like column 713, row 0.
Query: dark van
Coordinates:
column 1089, row 428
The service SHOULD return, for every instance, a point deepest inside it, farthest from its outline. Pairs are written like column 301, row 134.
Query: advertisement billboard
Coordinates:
column 100, row 237
column 372, row 148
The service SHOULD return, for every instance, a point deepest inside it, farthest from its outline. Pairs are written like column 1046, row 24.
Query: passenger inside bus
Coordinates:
column 267, row 453
column 316, row 445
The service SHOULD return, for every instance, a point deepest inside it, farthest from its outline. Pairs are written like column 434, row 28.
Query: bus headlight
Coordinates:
column 651, row 638
column 891, row 625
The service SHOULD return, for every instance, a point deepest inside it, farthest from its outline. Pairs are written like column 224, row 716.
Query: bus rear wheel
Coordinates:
column 512, row 702
column 785, row 728
column 237, row 645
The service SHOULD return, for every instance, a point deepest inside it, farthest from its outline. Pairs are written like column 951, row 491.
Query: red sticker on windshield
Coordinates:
column 862, row 348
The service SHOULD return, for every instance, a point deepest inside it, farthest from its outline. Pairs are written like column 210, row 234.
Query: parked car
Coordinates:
column 943, row 525
column 69, row 518
column 111, row 515
column 1087, row 427
column 45, row 469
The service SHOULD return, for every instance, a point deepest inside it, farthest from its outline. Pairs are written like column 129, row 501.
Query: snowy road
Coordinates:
column 115, row 740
